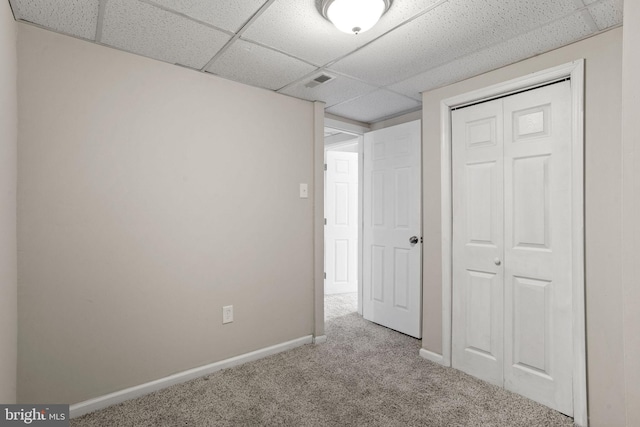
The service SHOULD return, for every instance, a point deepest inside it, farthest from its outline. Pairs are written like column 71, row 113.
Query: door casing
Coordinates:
column 575, row 71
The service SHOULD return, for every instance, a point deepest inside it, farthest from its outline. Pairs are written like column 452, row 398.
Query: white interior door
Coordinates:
column 512, row 284
column 341, row 231
column 392, row 249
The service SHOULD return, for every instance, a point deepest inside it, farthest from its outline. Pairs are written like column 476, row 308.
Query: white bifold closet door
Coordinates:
column 512, row 284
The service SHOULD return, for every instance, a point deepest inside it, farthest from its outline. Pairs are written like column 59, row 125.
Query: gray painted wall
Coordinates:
column 603, row 210
column 149, row 197
column 8, row 251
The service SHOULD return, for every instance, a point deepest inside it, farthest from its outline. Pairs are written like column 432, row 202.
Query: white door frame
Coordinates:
column 357, row 131
column 575, row 71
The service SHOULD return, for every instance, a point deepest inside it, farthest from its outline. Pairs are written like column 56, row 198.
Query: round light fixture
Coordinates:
column 354, row 16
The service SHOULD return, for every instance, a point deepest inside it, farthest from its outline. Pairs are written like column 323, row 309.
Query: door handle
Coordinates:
column 497, row 261
column 413, row 240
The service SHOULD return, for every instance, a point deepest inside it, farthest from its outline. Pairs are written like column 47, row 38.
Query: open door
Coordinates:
column 392, row 246
column 341, row 228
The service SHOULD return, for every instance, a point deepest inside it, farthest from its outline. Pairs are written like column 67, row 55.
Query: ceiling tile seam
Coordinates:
column 588, row 19
column 401, row 24
column 102, row 6
column 338, row 74
column 237, row 35
column 183, row 15
column 279, row 51
column 588, row 36
column 42, row 27
column 328, row 64
column 394, row 115
column 567, row 15
column 14, row 9
column 302, row 79
column 387, row 88
column 369, row 93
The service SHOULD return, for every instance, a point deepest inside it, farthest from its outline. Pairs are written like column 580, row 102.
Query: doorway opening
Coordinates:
column 342, row 216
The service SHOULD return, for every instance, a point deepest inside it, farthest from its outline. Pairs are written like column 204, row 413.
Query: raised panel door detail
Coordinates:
column 531, row 123
column 379, row 151
column 531, row 202
column 480, row 202
column 402, row 146
column 342, row 166
column 532, row 324
column 377, row 199
column 342, row 260
column 377, row 272
column 481, row 133
column 402, row 202
column 342, row 204
column 401, row 278
column 479, row 312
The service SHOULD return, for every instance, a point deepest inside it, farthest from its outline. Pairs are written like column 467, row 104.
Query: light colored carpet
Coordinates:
column 364, row 375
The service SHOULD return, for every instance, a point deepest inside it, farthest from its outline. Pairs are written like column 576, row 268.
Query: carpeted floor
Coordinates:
column 364, row 375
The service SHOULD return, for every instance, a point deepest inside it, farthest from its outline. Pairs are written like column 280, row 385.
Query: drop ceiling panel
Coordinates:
column 296, row 27
column 75, row 17
column 607, row 13
column 449, row 31
column 259, row 66
column 229, row 15
column 338, row 90
column 147, row 30
column 551, row 36
column 374, row 106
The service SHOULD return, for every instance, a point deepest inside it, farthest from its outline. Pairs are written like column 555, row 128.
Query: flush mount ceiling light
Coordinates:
column 354, row 16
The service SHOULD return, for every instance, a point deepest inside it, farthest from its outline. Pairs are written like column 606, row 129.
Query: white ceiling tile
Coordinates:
column 147, row 30
column 296, row 27
column 607, row 13
column 75, row 17
column 229, row 15
column 551, row 36
column 338, row 90
column 374, row 106
column 258, row 66
column 430, row 40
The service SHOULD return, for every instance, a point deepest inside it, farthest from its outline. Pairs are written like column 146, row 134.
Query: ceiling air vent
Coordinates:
column 318, row 80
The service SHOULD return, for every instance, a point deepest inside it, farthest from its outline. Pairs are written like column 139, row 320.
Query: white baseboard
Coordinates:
column 434, row 357
column 79, row 409
column 319, row 339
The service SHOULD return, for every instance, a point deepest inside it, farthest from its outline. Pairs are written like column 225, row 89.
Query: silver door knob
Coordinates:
column 413, row 240
column 497, row 261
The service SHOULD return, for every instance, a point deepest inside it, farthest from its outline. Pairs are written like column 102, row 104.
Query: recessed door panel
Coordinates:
column 377, row 198
column 402, row 189
column 377, row 272
column 530, row 185
column 401, row 280
column 481, row 182
column 532, row 324
column 479, row 301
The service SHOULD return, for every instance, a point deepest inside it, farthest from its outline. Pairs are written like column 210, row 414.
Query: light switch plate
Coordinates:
column 304, row 191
